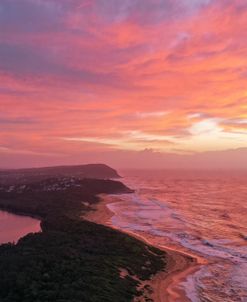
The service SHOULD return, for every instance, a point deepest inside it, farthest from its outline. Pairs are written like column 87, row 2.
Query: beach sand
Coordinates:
column 165, row 284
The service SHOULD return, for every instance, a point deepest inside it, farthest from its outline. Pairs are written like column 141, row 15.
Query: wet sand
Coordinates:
column 180, row 265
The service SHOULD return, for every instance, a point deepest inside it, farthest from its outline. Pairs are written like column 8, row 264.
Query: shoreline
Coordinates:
column 180, row 265
column 21, row 213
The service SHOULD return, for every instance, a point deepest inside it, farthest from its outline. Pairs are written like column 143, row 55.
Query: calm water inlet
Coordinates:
column 13, row 227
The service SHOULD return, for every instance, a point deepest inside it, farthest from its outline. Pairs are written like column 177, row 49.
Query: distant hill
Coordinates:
column 99, row 171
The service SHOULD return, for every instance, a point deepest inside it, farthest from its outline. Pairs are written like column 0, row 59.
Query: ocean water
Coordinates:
column 204, row 213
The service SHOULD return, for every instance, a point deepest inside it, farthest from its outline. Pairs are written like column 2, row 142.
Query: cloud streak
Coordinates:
column 159, row 74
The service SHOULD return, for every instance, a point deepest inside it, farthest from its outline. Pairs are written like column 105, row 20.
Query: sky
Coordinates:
column 132, row 83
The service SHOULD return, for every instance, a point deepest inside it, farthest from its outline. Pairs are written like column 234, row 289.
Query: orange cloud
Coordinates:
column 168, row 76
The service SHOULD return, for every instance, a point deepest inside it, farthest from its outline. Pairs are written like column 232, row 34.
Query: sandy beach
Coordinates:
column 165, row 284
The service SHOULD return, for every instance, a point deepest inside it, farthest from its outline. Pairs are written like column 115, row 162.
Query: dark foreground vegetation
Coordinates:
column 71, row 259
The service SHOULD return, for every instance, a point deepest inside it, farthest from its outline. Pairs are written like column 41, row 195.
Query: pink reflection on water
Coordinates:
column 13, row 227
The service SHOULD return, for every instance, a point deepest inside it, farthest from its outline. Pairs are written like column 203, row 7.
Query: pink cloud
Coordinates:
column 86, row 68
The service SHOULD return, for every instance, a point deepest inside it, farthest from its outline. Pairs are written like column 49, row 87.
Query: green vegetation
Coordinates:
column 71, row 259
column 56, row 196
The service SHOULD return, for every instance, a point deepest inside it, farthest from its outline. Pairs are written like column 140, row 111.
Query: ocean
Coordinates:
column 200, row 212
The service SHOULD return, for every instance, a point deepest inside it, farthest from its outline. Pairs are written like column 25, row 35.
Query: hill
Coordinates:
column 15, row 176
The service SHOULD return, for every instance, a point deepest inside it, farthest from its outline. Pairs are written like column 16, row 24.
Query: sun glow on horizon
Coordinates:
column 102, row 76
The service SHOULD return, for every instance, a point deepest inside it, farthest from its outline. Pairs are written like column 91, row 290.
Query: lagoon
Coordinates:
column 13, row 227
